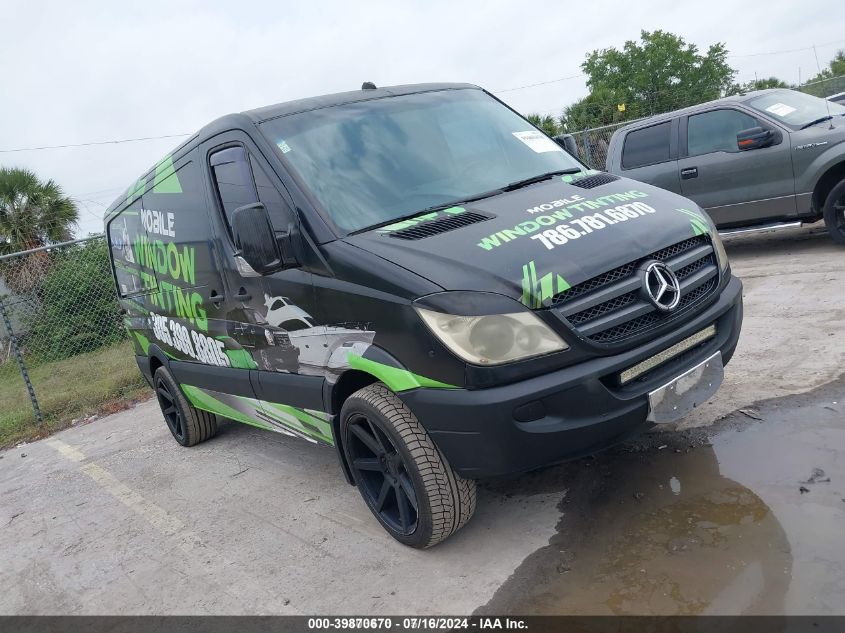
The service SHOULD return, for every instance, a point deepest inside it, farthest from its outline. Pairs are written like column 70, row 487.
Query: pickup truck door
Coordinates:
column 649, row 154
column 735, row 187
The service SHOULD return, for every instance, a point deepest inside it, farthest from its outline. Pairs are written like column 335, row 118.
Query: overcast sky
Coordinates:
column 79, row 71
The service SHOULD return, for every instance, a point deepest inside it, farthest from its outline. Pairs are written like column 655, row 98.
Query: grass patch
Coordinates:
column 102, row 381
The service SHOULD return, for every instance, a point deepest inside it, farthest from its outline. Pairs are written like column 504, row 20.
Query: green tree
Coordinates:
column 77, row 308
column 32, row 214
column 830, row 80
column 757, row 84
column 600, row 107
column 836, row 68
column 545, row 122
column 659, row 73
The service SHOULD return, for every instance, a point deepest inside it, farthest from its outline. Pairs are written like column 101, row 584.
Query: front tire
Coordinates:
column 834, row 213
column 404, row 479
column 187, row 424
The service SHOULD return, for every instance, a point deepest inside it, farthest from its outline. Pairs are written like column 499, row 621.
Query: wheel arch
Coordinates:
column 156, row 358
column 378, row 366
column 348, row 383
column 824, row 185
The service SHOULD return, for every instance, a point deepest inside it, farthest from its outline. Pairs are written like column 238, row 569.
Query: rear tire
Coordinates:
column 834, row 213
column 188, row 425
column 404, row 479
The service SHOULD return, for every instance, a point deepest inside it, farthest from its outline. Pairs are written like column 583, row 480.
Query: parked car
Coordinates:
column 422, row 280
column 837, row 98
column 761, row 159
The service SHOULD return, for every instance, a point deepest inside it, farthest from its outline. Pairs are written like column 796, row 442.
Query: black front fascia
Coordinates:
column 580, row 348
column 568, row 412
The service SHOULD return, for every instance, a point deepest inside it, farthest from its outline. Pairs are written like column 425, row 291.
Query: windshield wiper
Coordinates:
column 819, row 120
column 519, row 184
column 431, row 209
column 480, row 196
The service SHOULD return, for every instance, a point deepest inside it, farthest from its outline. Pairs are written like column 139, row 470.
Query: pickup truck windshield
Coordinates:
column 373, row 161
column 794, row 108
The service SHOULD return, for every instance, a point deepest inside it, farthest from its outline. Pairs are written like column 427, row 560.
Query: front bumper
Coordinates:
column 566, row 413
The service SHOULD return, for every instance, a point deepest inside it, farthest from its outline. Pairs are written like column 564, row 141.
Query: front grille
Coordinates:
column 612, row 308
column 603, row 308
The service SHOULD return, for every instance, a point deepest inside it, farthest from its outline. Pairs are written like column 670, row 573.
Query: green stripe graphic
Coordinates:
column 396, row 379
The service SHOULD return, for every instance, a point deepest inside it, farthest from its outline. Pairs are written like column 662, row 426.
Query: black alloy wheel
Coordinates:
column 167, row 402
column 382, row 475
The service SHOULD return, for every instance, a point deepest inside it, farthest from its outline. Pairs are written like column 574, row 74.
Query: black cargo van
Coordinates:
column 419, row 278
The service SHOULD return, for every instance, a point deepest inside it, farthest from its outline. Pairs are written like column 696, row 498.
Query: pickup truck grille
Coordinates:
column 611, row 308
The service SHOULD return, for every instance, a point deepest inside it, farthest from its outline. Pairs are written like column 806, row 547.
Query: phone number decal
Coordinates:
column 587, row 224
column 190, row 342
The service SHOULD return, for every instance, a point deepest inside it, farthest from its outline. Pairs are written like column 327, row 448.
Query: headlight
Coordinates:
column 721, row 255
column 268, row 335
column 493, row 339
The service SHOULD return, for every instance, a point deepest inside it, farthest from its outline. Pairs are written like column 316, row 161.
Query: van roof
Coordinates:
column 313, row 103
column 266, row 113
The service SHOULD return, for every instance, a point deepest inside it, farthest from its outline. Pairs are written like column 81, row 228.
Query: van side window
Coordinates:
column 125, row 231
column 269, row 196
column 716, row 131
column 646, row 146
column 233, row 179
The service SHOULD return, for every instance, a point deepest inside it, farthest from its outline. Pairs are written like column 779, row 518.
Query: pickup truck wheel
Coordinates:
column 404, row 480
column 834, row 213
column 187, row 424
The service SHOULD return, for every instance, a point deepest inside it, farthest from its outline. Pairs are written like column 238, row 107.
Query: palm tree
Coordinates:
column 32, row 214
column 545, row 122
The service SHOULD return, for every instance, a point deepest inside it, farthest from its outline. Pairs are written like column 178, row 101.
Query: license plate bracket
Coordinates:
column 684, row 393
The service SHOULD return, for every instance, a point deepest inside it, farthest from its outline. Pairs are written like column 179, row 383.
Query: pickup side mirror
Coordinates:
column 567, row 142
column 255, row 239
column 754, row 138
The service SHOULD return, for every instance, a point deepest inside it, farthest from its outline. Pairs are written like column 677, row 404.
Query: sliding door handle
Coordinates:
column 243, row 295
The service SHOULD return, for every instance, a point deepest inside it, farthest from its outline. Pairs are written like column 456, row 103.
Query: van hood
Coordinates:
column 534, row 242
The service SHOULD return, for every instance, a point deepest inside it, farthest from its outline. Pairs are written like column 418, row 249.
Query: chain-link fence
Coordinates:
column 63, row 346
column 824, row 87
column 593, row 143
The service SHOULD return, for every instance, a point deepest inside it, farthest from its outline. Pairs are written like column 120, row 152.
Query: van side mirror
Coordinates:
column 567, row 142
column 255, row 239
column 754, row 138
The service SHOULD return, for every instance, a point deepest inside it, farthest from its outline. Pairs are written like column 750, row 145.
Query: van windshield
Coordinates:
column 374, row 161
column 795, row 108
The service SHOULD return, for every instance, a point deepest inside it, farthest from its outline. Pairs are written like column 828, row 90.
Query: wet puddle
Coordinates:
column 734, row 519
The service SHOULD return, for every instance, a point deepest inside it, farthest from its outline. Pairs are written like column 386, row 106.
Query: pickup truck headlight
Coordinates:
column 493, row 339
